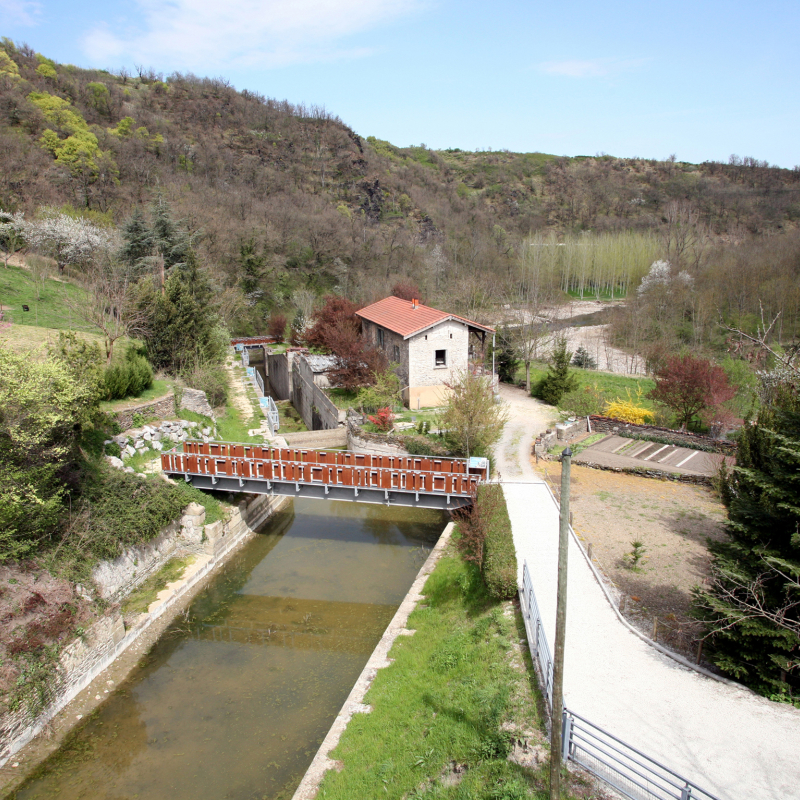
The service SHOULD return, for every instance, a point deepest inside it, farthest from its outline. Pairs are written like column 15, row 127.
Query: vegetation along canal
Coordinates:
column 235, row 698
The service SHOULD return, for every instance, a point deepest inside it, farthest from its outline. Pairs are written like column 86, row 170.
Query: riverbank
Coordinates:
column 107, row 657
column 454, row 712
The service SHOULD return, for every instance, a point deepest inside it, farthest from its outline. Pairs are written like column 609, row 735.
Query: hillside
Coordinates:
column 285, row 198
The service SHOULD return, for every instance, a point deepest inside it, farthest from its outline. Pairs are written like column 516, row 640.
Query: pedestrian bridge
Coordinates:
column 417, row 481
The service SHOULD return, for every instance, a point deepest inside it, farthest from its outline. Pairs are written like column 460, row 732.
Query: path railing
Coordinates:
column 628, row 770
column 271, row 413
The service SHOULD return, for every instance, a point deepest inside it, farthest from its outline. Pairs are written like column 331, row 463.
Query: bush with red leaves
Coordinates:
column 334, row 319
column 383, row 420
column 407, row 290
column 276, row 327
column 356, row 361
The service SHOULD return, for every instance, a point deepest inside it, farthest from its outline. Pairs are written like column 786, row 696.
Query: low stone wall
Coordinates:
column 84, row 659
column 646, row 472
column 337, row 437
column 360, row 441
column 664, row 435
column 162, row 408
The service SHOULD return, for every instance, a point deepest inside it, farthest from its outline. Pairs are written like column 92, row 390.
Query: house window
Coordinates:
column 440, row 359
column 381, row 342
column 396, row 354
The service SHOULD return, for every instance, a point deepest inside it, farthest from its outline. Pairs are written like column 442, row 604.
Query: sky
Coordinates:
column 701, row 80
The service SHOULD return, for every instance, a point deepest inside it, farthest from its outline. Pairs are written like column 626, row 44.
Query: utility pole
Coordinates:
column 561, row 627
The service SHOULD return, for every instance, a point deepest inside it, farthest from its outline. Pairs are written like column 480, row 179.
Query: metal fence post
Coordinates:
column 686, row 792
column 566, row 734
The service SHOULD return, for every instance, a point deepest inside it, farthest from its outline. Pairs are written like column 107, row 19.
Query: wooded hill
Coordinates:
column 286, row 198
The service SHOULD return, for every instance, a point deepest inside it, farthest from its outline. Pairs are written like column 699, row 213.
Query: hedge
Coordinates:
column 500, row 557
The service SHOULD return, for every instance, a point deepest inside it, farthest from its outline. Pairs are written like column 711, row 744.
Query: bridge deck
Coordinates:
column 445, row 483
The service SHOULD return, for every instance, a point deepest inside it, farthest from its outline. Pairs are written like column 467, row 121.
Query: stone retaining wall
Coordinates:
column 361, row 441
column 84, row 659
column 337, row 437
column 645, row 472
column 693, row 441
column 162, row 408
column 196, row 400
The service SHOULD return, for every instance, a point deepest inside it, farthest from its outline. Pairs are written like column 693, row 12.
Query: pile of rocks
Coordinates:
column 157, row 437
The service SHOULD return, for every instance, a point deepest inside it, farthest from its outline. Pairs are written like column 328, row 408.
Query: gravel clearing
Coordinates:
column 730, row 741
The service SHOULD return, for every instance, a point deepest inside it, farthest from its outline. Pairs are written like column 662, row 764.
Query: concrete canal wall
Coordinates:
column 108, row 638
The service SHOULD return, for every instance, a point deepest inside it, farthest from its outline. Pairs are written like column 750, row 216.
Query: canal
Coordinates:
column 237, row 695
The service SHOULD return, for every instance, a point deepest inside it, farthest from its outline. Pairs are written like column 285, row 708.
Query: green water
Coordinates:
column 237, row 695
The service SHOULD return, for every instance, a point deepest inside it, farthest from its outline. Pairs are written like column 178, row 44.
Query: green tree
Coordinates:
column 473, row 421
column 385, row 392
column 559, row 379
column 42, row 404
column 137, row 240
column 505, row 355
column 181, row 328
column 583, row 359
column 752, row 605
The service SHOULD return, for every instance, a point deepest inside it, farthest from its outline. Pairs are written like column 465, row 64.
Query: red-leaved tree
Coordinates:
column 357, row 362
column 330, row 322
column 406, row 290
column 276, row 327
column 383, row 419
column 690, row 385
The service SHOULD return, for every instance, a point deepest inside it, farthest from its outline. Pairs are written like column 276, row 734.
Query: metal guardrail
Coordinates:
column 631, row 772
column 538, row 641
column 271, row 413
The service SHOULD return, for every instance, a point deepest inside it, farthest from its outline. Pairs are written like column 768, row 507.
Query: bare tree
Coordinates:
column 108, row 306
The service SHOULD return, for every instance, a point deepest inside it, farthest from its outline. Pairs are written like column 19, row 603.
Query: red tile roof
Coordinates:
column 401, row 317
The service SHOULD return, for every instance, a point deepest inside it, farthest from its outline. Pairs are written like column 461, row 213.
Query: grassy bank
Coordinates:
column 456, row 714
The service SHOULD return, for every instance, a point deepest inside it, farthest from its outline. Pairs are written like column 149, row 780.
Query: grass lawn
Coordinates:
column 17, row 288
column 610, row 385
column 455, row 704
column 30, row 338
column 343, row 398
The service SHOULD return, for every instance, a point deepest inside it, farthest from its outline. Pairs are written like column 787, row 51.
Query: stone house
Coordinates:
column 431, row 347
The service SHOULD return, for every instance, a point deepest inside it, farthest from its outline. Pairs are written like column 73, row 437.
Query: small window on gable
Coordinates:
column 441, row 358
column 381, row 342
column 396, row 354
column 451, row 335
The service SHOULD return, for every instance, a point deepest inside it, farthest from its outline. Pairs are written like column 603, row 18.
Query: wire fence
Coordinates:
column 628, row 770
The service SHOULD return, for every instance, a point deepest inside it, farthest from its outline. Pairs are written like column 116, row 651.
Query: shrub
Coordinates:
column 127, row 378
column 583, row 359
column 212, row 379
column 277, row 326
column 500, row 557
column 582, row 402
column 383, row 420
column 423, row 446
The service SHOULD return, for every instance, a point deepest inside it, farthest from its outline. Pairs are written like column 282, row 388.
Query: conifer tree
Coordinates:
column 559, row 380
column 752, row 606
column 137, row 241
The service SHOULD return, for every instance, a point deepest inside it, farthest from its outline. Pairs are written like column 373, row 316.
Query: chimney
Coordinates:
column 414, row 303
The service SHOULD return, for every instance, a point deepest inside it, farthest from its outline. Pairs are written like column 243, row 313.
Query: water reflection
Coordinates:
column 234, row 699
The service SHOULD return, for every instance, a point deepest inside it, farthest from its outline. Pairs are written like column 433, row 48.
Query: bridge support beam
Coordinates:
column 320, row 491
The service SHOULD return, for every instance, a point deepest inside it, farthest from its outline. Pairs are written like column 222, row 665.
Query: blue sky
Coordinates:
column 698, row 79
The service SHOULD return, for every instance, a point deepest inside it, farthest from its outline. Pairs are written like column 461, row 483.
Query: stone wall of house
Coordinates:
column 84, row 659
column 161, row 409
column 451, row 336
column 395, row 347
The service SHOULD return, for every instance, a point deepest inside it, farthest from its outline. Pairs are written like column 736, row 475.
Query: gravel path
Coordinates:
column 528, row 417
column 730, row 741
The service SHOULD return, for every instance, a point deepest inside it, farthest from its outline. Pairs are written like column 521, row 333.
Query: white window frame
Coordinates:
column 440, row 366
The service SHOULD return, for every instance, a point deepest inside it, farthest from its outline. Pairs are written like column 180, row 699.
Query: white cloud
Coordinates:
column 591, row 68
column 209, row 34
column 23, row 12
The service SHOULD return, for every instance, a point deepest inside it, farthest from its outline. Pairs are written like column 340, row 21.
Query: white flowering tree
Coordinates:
column 68, row 240
column 12, row 233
